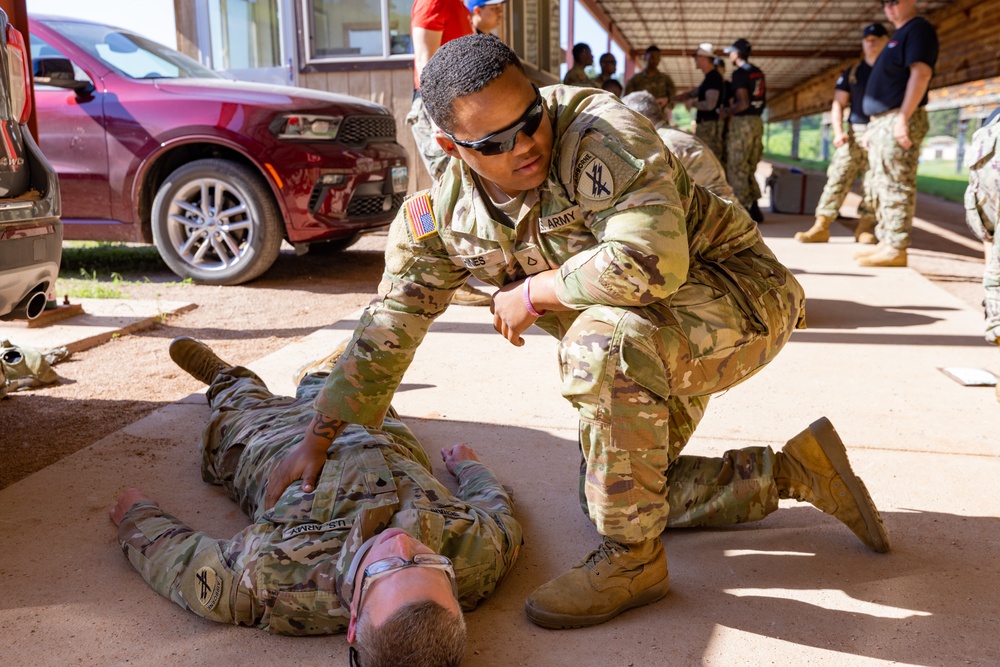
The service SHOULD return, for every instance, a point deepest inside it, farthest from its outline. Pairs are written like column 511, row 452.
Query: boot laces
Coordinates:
column 606, row 551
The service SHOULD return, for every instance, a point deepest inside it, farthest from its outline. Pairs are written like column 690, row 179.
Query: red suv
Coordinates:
column 150, row 146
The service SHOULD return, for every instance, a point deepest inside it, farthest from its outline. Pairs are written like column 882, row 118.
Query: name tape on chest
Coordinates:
column 420, row 216
column 593, row 178
column 483, row 260
column 559, row 220
column 333, row 524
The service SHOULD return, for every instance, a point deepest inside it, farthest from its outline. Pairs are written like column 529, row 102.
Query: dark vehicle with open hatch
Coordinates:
column 151, row 146
column 30, row 230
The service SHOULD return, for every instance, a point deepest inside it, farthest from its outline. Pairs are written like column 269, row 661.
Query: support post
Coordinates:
column 796, row 128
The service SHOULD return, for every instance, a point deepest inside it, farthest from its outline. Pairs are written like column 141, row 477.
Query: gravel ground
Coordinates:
column 108, row 387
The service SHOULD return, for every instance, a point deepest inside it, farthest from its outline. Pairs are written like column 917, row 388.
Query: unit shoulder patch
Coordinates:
column 420, row 216
column 604, row 169
column 209, row 588
column 594, row 180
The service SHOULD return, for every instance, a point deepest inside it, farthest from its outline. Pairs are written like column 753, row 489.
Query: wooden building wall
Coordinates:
column 969, row 51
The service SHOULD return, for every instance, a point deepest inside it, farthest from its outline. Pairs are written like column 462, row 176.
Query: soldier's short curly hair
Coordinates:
column 462, row 67
column 420, row 634
column 643, row 102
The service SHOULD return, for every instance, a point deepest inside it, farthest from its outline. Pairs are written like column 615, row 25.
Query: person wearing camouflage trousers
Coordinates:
column 659, row 292
column 293, row 570
column 895, row 101
column 850, row 160
column 982, row 212
column 745, row 137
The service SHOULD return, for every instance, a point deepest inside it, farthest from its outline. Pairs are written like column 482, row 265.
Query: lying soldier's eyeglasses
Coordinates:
column 890, row 3
column 505, row 140
column 387, row 566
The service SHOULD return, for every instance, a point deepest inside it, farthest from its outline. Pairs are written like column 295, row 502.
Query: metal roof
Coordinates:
column 792, row 40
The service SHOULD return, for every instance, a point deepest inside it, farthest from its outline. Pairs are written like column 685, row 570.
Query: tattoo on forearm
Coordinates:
column 325, row 427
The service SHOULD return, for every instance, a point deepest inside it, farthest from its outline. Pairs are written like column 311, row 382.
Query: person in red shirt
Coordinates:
column 433, row 23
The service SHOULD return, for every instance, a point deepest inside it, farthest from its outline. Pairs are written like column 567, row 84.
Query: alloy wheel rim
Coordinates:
column 209, row 224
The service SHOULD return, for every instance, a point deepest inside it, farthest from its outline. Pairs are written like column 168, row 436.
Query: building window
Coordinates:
column 358, row 29
column 245, row 34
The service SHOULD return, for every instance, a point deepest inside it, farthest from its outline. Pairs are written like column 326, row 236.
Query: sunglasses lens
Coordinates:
column 505, row 141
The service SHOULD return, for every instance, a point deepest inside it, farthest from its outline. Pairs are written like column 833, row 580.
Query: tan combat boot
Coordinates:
column 886, row 255
column 863, row 232
column 467, row 295
column 867, row 250
column 323, row 365
column 818, row 233
column 197, row 359
column 813, row 468
column 610, row 580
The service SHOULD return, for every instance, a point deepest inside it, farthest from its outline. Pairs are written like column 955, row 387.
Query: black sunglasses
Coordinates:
column 890, row 3
column 505, row 140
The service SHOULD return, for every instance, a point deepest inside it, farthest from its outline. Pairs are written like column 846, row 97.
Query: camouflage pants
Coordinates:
column 640, row 379
column 422, row 127
column 849, row 161
column 711, row 132
column 251, row 430
column 982, row 212
column 744, row 149
column 894, row 176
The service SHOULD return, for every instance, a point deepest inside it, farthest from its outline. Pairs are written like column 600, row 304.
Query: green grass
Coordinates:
column 104, row 257
column 804, row 165
column 934, row 177
column 105, row 270
column 90, row 286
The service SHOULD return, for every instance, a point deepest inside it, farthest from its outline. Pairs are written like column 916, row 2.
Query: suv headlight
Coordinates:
column 302, row 126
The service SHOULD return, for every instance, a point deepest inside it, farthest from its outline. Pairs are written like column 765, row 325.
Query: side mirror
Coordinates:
column 58, row 72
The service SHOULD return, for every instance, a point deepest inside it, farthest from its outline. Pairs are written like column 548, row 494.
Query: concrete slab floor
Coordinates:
column 796, row 588
column 102, row 319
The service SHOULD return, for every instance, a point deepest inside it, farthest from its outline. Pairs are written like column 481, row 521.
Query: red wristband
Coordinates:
column 526, row 296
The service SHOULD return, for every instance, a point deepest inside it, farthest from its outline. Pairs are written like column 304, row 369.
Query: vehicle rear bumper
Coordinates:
column 29, row 260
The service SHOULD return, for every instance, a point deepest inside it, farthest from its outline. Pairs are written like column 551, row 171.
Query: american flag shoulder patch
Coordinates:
column 420, row 216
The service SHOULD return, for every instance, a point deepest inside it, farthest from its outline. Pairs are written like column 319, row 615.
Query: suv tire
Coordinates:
column 197, row 242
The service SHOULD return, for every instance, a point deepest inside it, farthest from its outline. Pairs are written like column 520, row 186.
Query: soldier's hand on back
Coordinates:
column 455, row 454
column 305, row 461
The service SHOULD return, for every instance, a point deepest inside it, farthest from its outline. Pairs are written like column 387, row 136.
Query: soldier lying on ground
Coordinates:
column 378, row 547
column 660, row 293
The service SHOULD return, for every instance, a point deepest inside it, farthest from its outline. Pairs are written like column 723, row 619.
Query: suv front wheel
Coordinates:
column 215, row 222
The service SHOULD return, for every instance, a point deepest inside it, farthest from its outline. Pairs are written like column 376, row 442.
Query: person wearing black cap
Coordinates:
column 850, row 160
column 707, row 98
column 652, row 80
column 745, row 141
column 894, row 100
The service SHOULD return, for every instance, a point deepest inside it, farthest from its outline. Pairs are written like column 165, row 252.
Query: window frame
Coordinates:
column 309, row 61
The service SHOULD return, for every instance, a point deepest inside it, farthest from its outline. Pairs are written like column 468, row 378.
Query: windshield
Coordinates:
column 128, row 53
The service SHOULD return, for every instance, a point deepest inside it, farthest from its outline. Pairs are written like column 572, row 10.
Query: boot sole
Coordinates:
column 831, row 444
column 555, row 621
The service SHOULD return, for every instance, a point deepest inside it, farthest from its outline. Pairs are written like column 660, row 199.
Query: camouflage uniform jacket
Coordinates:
column 698, row 159
column 577, row 76
column 656, row 83
column 618, row 216
column 982, row 199
column 285, row 572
